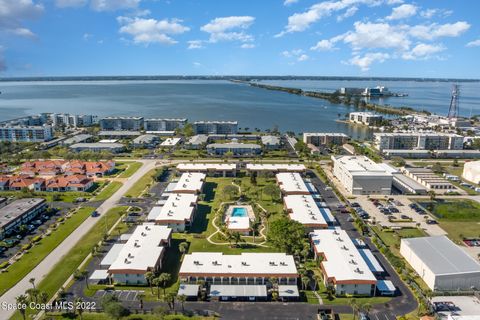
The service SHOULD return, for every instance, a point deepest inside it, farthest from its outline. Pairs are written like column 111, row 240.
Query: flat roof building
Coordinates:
column 360, row 175
column 142, row 253
column 97, row 147
column 304, row 209
column 427, row 178
column 366, row 118
column 324, row 139
column 441, row 263
column 178, row 212
column 417, row 140
column 215, row 127
column 275, row 167
column 19, row 212
column 291, row 183
column 471, row 171
column 235, row 148
column 190, row 182
column 223, row 169
column 342, row 266
column 170, row 142
column 154, row 124
column 121, row 123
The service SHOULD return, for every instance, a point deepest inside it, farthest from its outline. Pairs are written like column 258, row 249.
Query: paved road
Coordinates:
column 47, row 264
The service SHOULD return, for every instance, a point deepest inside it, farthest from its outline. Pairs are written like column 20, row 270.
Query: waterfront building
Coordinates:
column 366, row 118
column 40, row 133
column 146, row 141
column 73, row 120
column 471, row 171
column 271, row 142
column 155, row 124
column 235, row 148
column 215, row 127
column 418, row 140
column 322, row 139
column 360, row 175
column 18, row 213
column 178, row 212
column 291, row 183
column 342, row 265
column 210, row 169
column 143, row 252
column 197, row 142
column 121, row 123
column 443, row 265
column 97, row 147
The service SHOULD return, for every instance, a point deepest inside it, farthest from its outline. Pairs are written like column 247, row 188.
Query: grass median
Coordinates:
column 131, row 168
column 40, row 250
column 67, row 265
column 141, row 185
column 108, row 191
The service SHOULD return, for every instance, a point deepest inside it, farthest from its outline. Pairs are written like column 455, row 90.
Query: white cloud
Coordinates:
column 14, row 13
column 146, row 31
column 112, row 5
column 402, row 12
column 324, row 45
column 434, row 30
column 364, row 62
column 302, row 21
column 430, row 13
column 423, row 51
column 393, row 2
column 474, row 43
column 229, row 29
column 289, row 2
column 247, row 46
column 303, row 57
column 197, row 64
column 195, row 44
column 377, row 35
column 348, row 13
column 70, row 3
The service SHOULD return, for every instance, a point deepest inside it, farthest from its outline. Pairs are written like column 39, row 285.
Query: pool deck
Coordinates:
column 241, row 224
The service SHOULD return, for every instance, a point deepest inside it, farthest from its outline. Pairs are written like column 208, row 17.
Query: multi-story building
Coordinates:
column 178, row 212
column 97, row 147
column 291, row 183
column 73, row 120
column 304, row 209
column 121, row 123
column 215, row 127
column 418, row 140
column 26, row 133
column 143, row 252
column 211, row 169
column 19, row 212
column 321, row 139
column 366, row 118
column 153, row 124
column 360, row 175
column 146, row 141
column 190, row 182
column 342, row 265
column 235, row 148
column 271, row 142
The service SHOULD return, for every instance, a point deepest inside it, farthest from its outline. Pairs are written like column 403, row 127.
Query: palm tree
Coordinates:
column 164, row 279
column 140, row 298
column 182, row 298
column 171, row 300
column 78, row 305
column 237, row 237
column 183, row 248
column 43, row 297
column 255, row 227
column 149, row 277
column 354, row 305
column 22, row 304
column 32, row 281
column 305, row 282
column 316, row 280
column 156, row 282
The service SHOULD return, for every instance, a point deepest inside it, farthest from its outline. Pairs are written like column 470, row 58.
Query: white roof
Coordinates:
column 291, row 182
column 99, row 275
column 236, row 290
column 361, row 165
column 179, row 207
column 206, row 166
column 304, row 209
column 385, row 286
column 125, row 236
column 171, row 186
column 188, row 290
column 190, row 182
column 288, row 291
column 275, row 167
column 371, row 261
column 142, row 250
column 170, row 142
column 343, row 261
column 212, row 263
column 108, row 141
column 112, row 254
column 238, row 223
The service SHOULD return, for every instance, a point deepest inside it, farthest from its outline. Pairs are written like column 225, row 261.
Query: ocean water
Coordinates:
column 220, row 100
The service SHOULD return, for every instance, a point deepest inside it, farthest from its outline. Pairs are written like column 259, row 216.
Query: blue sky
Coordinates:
column 267, row 37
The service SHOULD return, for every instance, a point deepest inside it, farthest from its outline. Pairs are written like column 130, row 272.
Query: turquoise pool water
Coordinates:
column 239, row 212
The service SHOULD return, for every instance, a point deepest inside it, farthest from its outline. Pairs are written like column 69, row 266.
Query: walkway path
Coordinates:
column 49, row 262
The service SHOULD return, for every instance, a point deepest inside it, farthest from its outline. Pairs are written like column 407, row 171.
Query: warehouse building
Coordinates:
column 143, row 252
column 471, row 171
column 441, row 263
column 360, row 175
column 19, row 212
column 342, row 265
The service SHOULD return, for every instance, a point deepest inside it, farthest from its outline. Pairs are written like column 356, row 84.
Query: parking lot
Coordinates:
column 122, row 295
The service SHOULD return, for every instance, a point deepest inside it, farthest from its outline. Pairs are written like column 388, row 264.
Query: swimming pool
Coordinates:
column 239, row 212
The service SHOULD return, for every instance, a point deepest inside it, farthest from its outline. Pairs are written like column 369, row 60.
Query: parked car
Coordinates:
column 355, row 205
column 431, row 221
column 95, row 214
column 403, row 216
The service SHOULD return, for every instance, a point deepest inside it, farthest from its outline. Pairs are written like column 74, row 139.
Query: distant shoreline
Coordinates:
column 246, row 78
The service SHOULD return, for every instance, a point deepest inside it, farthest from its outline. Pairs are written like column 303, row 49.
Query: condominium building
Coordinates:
column 19, row 212
column 235, row 148
column 304, row 209
column 26, row 133
column 142, row 253
column 197, row 141
column 121, row 123
column 418, row 140
column 190, row 182
column 97, row 147
column 342, row 265
column 275, row 167
column 360, row 175
column 321, row 139
column 215, row 127
column 366, row 118
column 178, row 212
column 146, row 141
column 73, row 120
column 154, row 124
column 291, row 183
column 239, row 269
column 211, row 169
column 271, row 142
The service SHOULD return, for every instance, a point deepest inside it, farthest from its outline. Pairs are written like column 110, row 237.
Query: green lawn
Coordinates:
column 71, row 261
column 392, row 238
column 141, row 185
column 49, row 196
column 130, row 168
column 186, row 153
column 108, row 191
column 103, row 316
column 40, row 250
column 458, row 230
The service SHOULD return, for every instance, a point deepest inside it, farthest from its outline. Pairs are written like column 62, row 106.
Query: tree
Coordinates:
column 316, row 280
column 170, row 297
column 437, row 167
column 230, row 191
column 188, row 130
column 305, row 282
column 43, row 297
column 116, row 310
column 455, row 163
column 183, row 247
column 182, row 298
column 432, row 195
column 149, row 277
column 354, row 305
column 398, row 161
column 286, row 235
column 22, row 304
column 253, row 178
column 156, row 282
column 237, row 238
column 164, row 279
column 78, row 305
column 271, row 190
